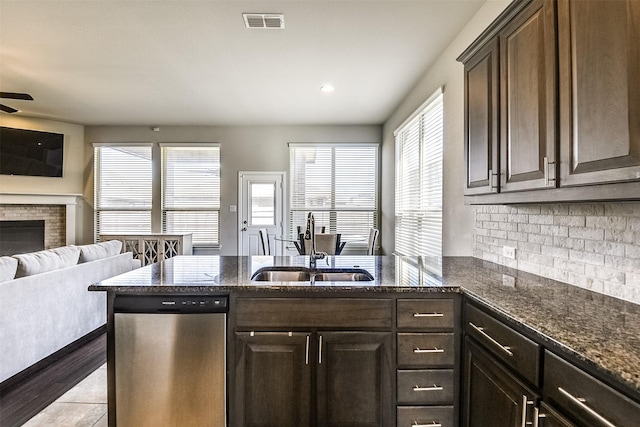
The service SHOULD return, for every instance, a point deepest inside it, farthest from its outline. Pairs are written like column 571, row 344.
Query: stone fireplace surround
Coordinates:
column 58, row 212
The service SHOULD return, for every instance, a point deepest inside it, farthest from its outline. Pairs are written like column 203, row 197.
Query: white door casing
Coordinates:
column 261, row 204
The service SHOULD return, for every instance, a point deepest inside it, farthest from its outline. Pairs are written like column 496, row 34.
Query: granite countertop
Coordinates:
column 602, row 331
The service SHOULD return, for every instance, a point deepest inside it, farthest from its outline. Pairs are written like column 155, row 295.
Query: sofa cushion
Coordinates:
column 8, row 268
column 99, row 250
column 48, row 260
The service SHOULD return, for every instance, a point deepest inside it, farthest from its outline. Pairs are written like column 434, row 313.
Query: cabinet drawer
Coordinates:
column 584, row 398
column 425, row 416
column 265, row 313
column 426, row 313
column 513, row 348
column 426, row 350
column 425, row 387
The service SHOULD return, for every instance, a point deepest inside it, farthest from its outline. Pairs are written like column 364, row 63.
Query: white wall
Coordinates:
column 242, row 148
column 457, row 233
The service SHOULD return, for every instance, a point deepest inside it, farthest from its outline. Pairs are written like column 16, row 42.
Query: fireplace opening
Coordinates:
column 19, row 237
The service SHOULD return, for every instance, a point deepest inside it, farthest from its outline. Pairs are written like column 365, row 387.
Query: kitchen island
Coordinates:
column 598, row 335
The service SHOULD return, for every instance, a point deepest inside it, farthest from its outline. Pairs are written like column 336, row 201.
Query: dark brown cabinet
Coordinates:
column 549, row 417
column 354, row 377
column 273, row 379
column 527, row 99
column 552, row 103
column 599, row 46
column 313, row 376
column 492, row 395
column 481, row 124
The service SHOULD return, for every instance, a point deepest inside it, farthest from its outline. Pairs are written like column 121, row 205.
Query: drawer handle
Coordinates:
column 431, row 424
column 581, row 402
column 428, row 350
column 428, row 314
column 430, row 388
column 487, row 336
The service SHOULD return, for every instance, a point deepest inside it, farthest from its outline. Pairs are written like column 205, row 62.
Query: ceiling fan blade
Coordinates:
column 13, row 95
column 8, row 109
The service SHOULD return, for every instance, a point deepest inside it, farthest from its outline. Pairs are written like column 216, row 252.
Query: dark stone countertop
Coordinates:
column 601, row 331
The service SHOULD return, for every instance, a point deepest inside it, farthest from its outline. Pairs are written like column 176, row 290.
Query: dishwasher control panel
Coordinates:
column 170, row 304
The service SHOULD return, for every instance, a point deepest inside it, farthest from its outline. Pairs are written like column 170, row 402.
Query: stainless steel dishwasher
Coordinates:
column 170, row 360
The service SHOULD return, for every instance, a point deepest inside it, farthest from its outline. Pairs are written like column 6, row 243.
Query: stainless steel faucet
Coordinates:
column 310, row 234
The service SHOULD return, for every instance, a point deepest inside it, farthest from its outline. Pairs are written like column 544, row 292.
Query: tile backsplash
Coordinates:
column 594, row 246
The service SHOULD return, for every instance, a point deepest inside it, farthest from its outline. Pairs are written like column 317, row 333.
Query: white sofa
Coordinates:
column 44, row 301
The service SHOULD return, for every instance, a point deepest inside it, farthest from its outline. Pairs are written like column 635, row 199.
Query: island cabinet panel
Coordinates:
column 427, row 376
column 528, row 99
column 481, row 124
column 493, row 396
column 355, row 377
column 599, row 57
column 313, row 312
column 549, row 417
column 585, row 399
column 426, row 314
column 339, row 373
column 273, row 379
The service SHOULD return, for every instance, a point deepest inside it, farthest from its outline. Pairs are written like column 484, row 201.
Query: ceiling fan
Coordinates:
column 12, row 95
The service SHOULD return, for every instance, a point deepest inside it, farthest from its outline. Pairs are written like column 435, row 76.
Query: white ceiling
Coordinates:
column 192, row 62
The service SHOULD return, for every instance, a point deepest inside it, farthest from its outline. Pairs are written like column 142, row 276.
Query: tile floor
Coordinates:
column 85, row 405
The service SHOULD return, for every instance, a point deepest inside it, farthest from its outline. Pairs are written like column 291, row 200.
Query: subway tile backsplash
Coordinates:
column 594, row 246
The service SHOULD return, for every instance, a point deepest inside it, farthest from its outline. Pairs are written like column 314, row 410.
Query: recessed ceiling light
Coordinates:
column 327, row 88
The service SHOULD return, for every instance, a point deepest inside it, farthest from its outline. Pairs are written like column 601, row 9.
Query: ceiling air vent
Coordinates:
column 272, row 21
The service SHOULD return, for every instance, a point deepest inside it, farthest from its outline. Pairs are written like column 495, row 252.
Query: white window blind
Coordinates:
column 123, row 186
column 419, row 181
column 191, row 191
column 339, row 184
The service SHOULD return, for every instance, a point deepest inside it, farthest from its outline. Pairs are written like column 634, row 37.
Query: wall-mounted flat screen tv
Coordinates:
column 30, row 152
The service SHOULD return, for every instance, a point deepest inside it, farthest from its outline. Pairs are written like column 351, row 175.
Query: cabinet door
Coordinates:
column 481, row 120
column 548, row 417
column 528, row 99
column 493, row 396
column 273, row 379
column 355, row 379
column 599, row 56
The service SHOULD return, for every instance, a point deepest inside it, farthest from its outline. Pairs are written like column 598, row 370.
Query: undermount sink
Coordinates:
column 304, row 274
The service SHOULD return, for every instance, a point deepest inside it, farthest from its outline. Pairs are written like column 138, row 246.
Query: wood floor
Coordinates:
column 22, row 401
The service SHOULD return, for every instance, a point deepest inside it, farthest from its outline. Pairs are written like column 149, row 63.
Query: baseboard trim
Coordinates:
column 34, row 369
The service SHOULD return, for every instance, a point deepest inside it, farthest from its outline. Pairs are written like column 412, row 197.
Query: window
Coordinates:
column 123, row 187
column 191, row 191
column 339, row 184
column 419, row 181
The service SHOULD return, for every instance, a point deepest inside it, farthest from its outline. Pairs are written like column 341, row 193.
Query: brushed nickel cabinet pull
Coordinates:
column 430, row 388
column 431, row 424
column 428, row 314
column 419, row 350
column 306, row 353
column 546, row 171
column 490, row 338
column 524, row 411
column 581, row 403
column 320, row 350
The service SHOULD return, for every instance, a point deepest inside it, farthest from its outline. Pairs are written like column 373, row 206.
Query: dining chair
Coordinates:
column 371, row 246
column 264, row 241
column 324, row 243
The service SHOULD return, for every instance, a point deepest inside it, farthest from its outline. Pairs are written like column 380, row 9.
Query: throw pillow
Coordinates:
column 47, row 260
column 8, row 268
column 99, row 250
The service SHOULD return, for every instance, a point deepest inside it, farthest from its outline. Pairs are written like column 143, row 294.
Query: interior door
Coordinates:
column 260, row 205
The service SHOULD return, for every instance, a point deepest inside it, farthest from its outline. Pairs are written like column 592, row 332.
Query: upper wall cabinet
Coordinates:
column 599, row 44
column 527, row 99
column 481, row 124
column 552, row 103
